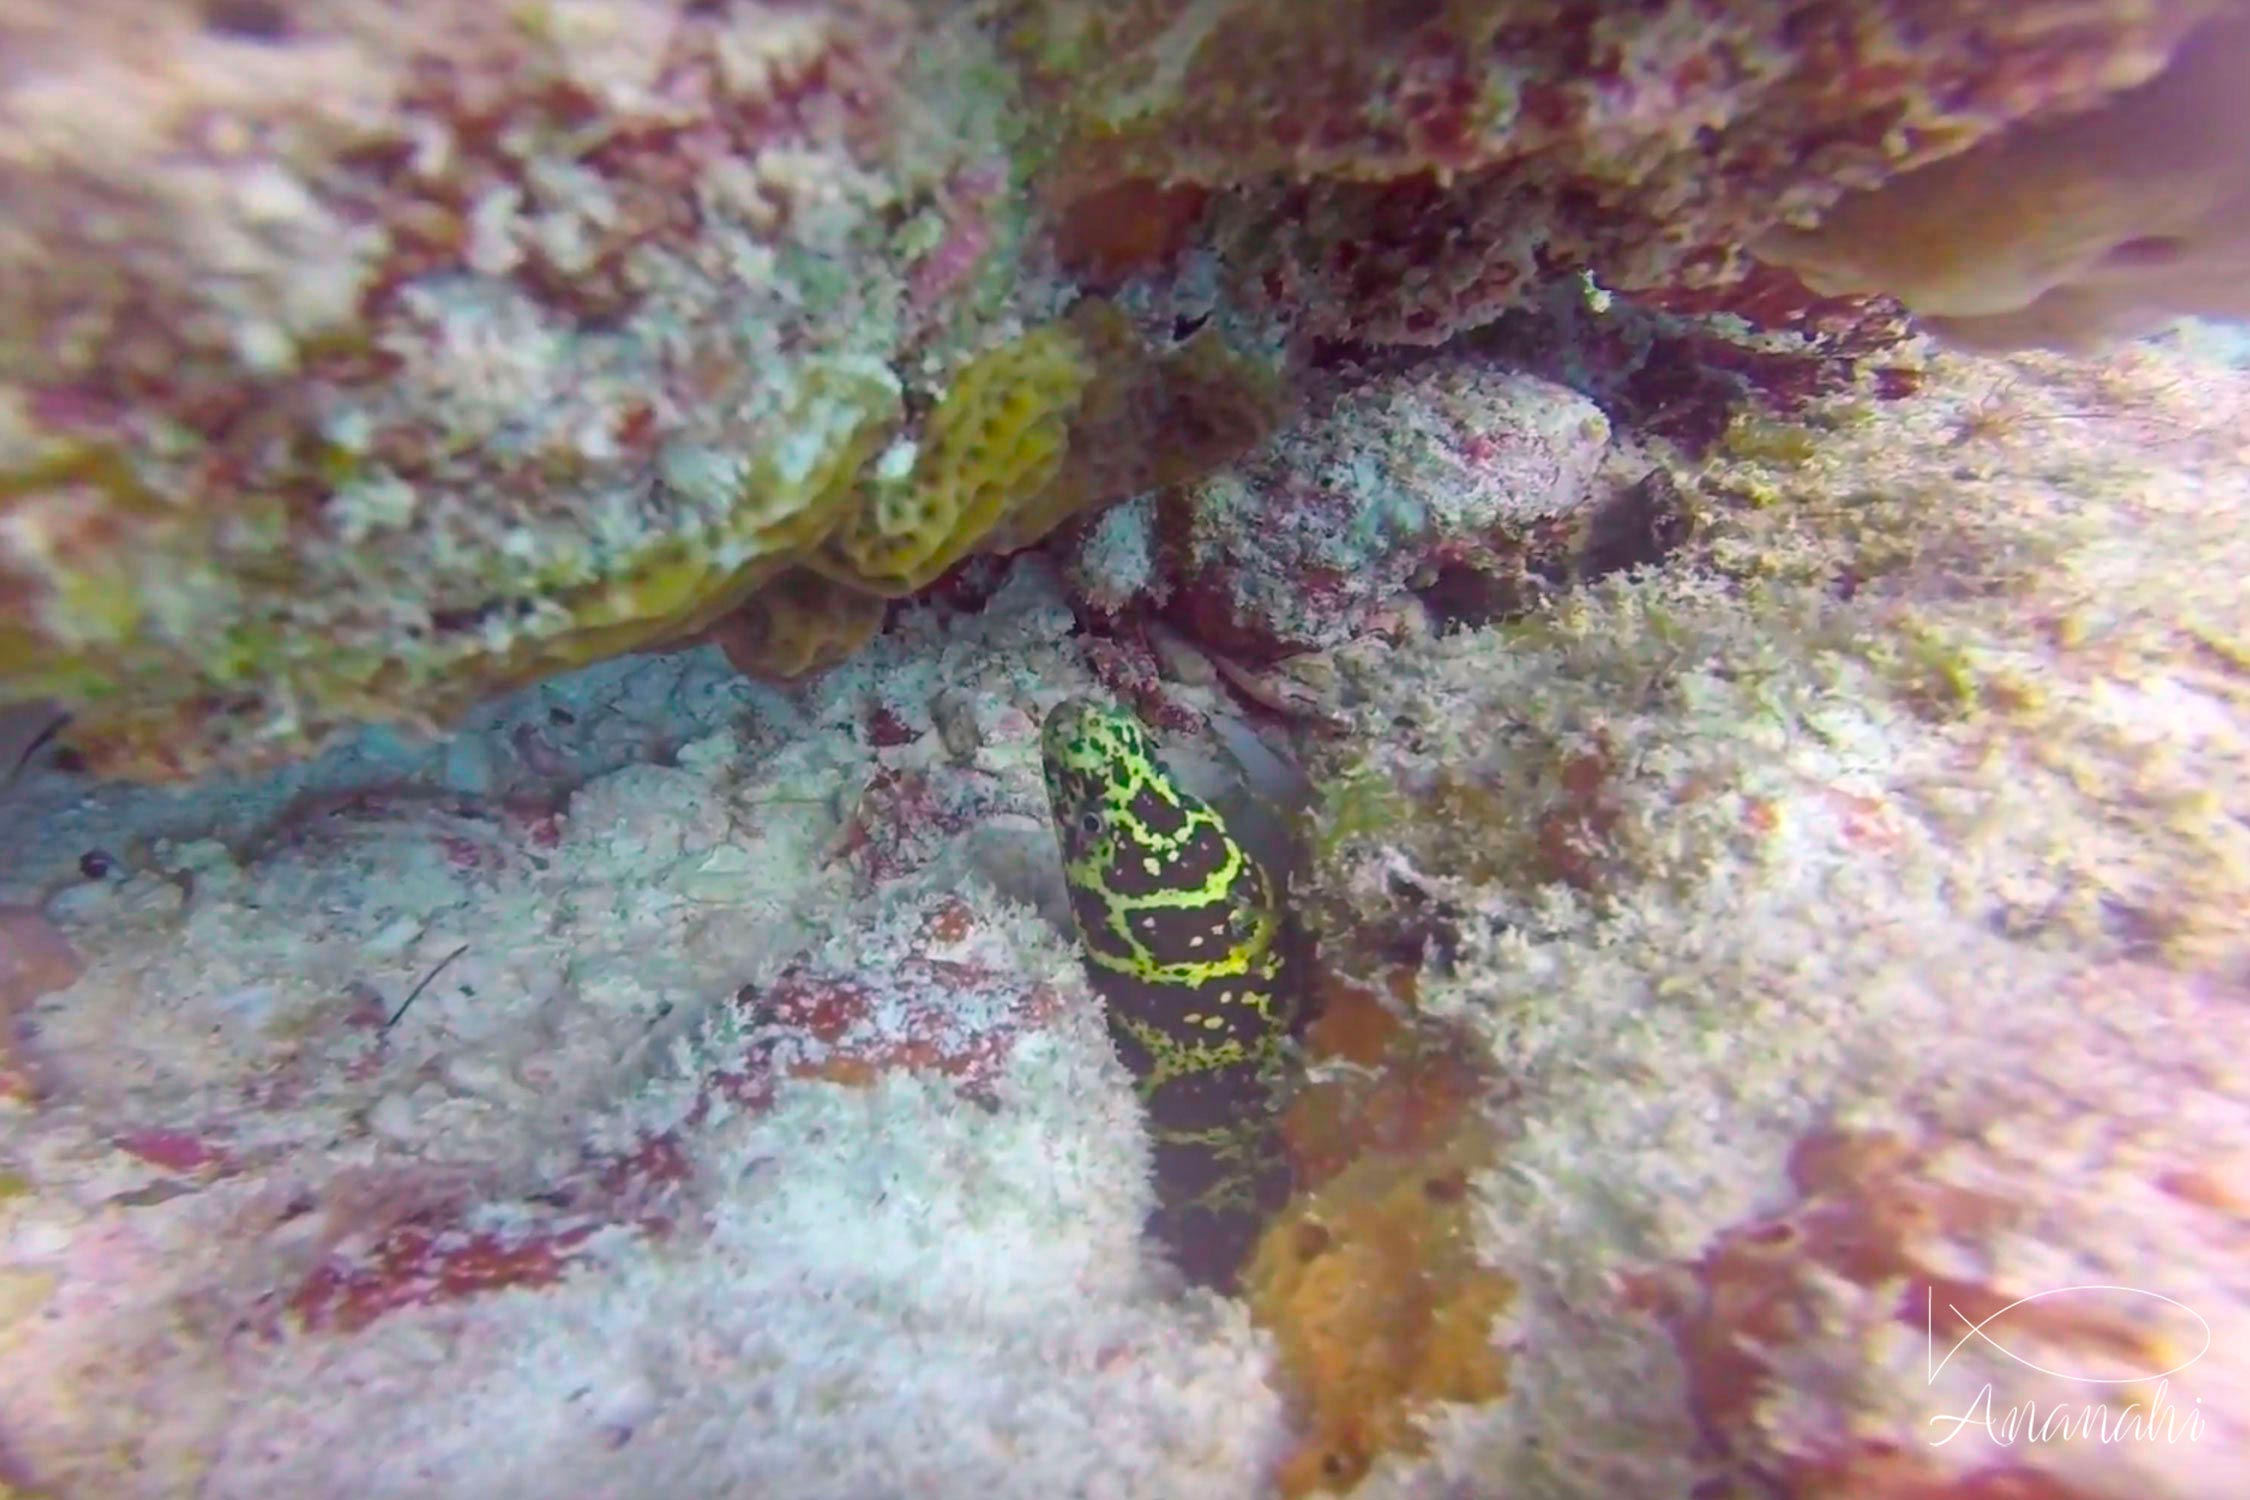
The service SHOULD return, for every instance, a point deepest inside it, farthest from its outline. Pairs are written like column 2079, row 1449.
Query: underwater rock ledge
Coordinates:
column 358, row 362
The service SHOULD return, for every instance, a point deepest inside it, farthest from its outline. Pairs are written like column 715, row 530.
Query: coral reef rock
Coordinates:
column 1454, row 480
column 1849, row 920
column 359, row 361
column 2069, row 232
column 1787, row 933
column 608, row 1121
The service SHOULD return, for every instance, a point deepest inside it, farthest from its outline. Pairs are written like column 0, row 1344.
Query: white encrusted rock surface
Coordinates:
column 738, row 1134
column 671, row 1085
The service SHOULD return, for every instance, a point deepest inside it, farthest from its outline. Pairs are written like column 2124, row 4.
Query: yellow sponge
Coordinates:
column 996, row 439
column 1072, row 415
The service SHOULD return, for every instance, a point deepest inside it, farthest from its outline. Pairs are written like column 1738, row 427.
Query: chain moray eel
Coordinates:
column 1181, row 931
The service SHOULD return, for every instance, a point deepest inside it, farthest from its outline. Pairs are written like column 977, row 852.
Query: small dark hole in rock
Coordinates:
column 1451, row 1188
column 1313, row 1242
column 1460, row 594
column 247, row 20
column 1639, row 527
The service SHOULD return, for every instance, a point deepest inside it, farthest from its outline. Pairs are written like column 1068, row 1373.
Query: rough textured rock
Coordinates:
column 2065, row 233
column 357, row 361
column 1715, row 963
column 1451, row 479
column 1849, row 917
column 715, row 1070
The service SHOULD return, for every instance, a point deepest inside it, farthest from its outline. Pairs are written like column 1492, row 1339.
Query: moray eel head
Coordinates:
column 1099, row 760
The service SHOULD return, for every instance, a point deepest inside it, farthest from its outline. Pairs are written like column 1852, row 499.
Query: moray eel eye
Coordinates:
column 1089, row 822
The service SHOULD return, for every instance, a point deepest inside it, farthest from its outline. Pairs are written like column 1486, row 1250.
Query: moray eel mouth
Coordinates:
column 1180, row 929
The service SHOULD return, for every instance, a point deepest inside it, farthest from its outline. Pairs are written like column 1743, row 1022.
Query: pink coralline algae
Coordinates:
column 930, row 1009
column 1131, row 671
column 903, row 816
column 921, row 996
column 1894, row 1239
column 967, row 203
column 417, row 1266
column 174, row 1150
column 1404, row 171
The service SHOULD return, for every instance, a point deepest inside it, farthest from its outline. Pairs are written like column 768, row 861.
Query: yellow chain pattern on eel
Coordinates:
column 1181, row 931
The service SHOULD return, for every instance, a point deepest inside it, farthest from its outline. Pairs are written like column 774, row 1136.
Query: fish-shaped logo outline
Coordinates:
column 1976, row 1330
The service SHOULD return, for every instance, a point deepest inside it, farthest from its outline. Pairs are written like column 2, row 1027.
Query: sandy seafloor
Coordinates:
column 1957, row 856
